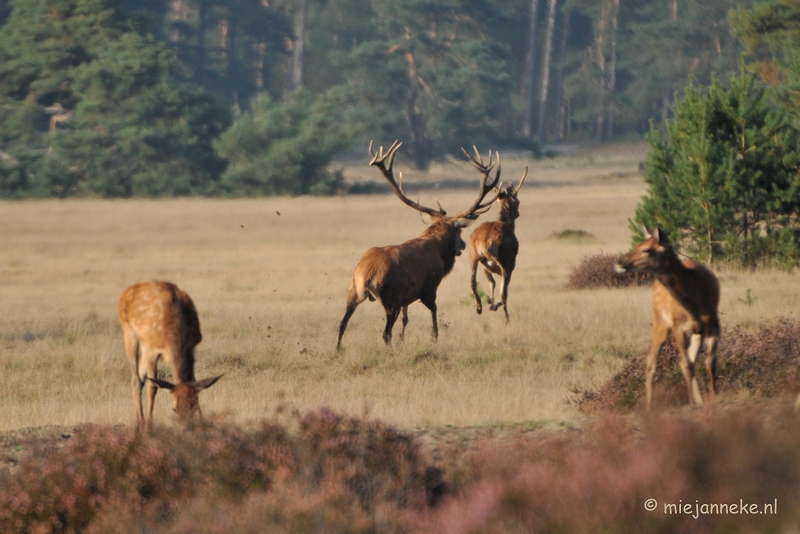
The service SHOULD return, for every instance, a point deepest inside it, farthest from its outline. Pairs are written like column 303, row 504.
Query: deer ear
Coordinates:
column 662, row 238
column 162, row 383
column 464, row 222
column 200, row 385
column 646, row 232
column 427, row 219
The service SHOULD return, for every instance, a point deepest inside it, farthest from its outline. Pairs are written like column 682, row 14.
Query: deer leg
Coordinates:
column 352, row 303
column 132, row 350
column 711, row 363
column 391, row 318
column 659, row 337
column 152, row 388
column 430, row 303
column 687, row 363
column 504, row 290
column 404, row 323
column 473, row 284
column 491, row 285
column 137, row 385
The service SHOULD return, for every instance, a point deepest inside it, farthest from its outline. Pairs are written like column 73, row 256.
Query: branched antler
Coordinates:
column 384, row 162
column 479, row 207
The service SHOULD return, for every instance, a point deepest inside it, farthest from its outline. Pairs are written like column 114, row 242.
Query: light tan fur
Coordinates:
column 159, row 321
column 494, row 246
column 398, row 275
column 685, row 300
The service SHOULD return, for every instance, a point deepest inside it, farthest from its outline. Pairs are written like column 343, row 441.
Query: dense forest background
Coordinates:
column 114, row 98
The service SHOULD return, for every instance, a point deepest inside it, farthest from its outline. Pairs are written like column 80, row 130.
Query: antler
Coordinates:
column 516, row 189
column 479, row 208
column 380, row 160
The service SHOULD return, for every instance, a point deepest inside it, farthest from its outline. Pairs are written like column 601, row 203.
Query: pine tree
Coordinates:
column 90, row 107
column 724, row 184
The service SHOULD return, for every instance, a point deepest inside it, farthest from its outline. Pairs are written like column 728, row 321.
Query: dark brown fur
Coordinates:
column 685, row 300
column 398, row 275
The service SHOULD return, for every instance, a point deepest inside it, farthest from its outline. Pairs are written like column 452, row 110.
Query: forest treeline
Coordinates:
column 117, row 98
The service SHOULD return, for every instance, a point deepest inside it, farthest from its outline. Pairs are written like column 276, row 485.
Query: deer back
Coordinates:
column 399, row 273
column 163, row 317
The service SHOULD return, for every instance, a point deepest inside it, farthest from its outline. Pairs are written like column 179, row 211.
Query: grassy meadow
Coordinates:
column 269, row 279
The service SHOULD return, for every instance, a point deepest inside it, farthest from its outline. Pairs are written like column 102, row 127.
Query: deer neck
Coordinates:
column 186, row 369
column 506, row 216
column 440, row 240
column 675, row 277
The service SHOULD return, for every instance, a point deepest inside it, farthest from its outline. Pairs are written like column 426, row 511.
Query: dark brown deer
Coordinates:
column 685, row 300
column 398, row 275
column 494, row 244
column 160, row 321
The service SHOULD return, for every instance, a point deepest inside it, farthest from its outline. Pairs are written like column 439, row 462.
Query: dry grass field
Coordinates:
column 269, row 279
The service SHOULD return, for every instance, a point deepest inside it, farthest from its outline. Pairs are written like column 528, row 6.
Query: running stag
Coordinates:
column 160, row 321
column 493, row 244
column 398, row 275
column 685, row 299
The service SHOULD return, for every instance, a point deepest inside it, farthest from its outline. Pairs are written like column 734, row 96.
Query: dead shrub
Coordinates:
column 597, row 271
column 765, row 362
column 577, row 236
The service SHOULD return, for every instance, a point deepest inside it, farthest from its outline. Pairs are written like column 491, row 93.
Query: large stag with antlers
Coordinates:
column 398, row 275
column 493, row 244
column 685, row 300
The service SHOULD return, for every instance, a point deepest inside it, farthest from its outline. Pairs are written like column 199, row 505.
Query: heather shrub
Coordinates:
column 598, row 271
column 598, row 479
column 344, row 469
column 765, row 362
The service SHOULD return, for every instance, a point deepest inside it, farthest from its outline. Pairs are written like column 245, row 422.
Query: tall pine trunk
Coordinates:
column 612, row 77
column 548, row 52
column 666, row 100
column 176, row 14
column 202, row 54
column 295, row 78
column 416, row 122
column 562, row 60
column 600, row 60
column 530, row 70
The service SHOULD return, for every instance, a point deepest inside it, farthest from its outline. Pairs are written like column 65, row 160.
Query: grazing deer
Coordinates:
column 685, row 298
column 493, row 244
column 160, row 321
column 401, row 274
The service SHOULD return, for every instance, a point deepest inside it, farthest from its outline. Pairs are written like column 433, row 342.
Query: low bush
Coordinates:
column 765, row 363
column 601, row 479
column 336, row 471
column 322, row 472
column 578, row 236
column 597, row 271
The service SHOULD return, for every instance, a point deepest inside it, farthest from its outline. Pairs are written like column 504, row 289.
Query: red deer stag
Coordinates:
column 159, row 320
column 401, row 274
column 493, row 244
column 685, row 299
